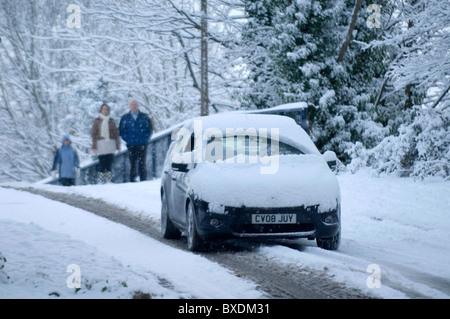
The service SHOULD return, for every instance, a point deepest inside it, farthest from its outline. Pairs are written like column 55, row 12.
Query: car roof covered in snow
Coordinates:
column 289, row 131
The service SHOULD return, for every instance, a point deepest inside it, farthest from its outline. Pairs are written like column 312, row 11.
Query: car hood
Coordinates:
column 299, row 180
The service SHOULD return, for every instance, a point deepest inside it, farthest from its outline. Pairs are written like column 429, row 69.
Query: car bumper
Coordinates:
column 276, row 235
column 237, row 222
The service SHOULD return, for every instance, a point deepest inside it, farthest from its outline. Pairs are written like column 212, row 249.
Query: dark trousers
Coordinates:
column 138, row 155
column 67, row 181
column 105, row 163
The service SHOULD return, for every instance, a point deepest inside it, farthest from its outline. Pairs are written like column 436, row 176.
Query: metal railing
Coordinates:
column 159, row 144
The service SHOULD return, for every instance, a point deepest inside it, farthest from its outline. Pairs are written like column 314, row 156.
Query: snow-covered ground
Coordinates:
column 394, row 245
column 47, row 244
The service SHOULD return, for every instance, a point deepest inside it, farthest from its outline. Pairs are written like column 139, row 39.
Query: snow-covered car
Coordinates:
column 248, row 176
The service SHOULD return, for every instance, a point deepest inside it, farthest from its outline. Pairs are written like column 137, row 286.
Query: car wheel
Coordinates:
column 168, row 229
column 330, row 243
column 195, row 243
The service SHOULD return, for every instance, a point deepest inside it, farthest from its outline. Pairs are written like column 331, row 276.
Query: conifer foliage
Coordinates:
column 367, row 97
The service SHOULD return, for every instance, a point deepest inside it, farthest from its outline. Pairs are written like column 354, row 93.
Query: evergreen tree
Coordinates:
column 263, row 91
column 291, row 51
column 292, row 47
column 419, row 140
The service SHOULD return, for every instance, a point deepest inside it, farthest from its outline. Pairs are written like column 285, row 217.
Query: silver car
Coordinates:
column 248, row 176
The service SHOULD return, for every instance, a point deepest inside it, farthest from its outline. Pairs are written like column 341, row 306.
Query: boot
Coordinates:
column 101, row 178
column 108, row 177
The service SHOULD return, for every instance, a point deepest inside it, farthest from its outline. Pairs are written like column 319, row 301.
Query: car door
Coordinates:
column 167, row 177
column 179, row 181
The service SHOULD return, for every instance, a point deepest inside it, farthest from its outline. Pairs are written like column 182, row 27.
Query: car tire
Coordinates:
column 168, row 229
column 195, row 243
column 330, row 243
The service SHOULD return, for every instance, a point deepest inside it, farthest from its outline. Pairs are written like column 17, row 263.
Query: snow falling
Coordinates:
column 374, row 78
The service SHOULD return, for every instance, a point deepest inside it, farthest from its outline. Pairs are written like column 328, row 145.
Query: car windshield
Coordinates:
column 222, row 148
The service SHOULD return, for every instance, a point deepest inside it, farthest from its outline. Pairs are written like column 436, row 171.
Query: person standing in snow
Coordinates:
column 135, row 128
column 67, row 162
column 105, row 142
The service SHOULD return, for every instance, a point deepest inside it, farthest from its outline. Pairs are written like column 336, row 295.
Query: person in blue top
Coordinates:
column 66, row 160
column 135, row 128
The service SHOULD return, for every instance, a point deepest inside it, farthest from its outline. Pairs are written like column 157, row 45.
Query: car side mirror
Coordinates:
column 331, row 159
column 180, row 167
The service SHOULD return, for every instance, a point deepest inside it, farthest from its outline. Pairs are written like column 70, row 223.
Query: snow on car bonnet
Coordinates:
column 303, row 180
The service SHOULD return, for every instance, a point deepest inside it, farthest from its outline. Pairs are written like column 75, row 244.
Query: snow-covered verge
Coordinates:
column 46, row 244
column 396, row 228
column 394, row 245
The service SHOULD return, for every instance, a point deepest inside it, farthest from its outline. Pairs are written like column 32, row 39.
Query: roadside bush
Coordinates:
column 421, row 148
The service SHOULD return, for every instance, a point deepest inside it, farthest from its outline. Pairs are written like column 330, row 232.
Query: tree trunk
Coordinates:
column 350, row 31
column 204, row 100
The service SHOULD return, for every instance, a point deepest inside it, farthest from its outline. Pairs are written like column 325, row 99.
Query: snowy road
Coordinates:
column 394, row 243
column 241, row 257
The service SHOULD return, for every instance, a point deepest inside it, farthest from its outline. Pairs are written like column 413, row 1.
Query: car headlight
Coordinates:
column 329, row 218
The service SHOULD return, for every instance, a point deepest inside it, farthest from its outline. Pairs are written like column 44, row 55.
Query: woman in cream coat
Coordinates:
column 105, row 143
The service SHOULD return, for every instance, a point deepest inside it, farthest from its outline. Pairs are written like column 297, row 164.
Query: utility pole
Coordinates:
column 204, row 94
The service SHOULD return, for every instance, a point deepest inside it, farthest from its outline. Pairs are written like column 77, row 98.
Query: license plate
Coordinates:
column 274, row 218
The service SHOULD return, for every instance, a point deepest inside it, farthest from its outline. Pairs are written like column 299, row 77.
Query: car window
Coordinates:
column 222, row 148
column 185, row 144
column 189, row 147
column 286, row 149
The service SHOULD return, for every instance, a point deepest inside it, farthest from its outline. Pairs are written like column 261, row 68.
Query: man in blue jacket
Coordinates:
column 66, row 159
column 135, row 129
